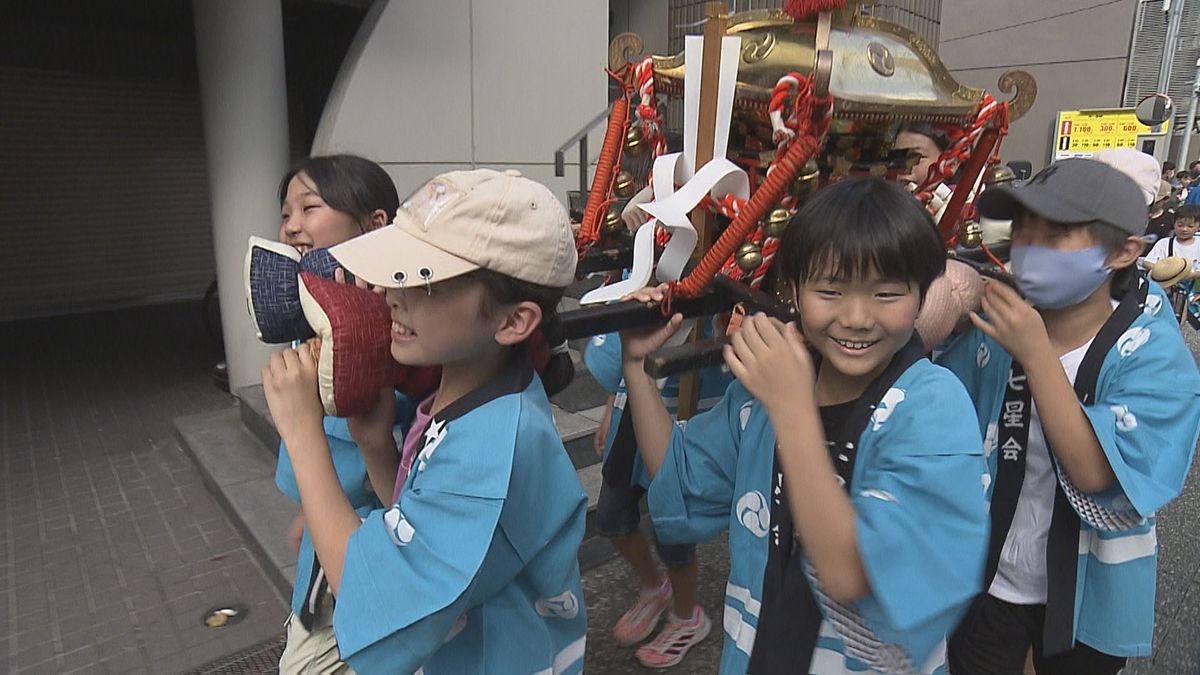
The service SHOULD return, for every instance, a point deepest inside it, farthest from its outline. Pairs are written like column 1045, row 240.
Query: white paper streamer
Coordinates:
column 719, row 177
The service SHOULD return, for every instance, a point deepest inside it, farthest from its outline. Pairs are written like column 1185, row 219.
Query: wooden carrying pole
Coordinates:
column 716, row 21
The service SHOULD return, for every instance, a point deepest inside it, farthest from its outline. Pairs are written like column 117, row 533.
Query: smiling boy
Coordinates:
column 1184, row 243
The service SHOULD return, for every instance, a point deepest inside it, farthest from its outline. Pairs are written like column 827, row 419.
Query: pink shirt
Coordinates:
column 412, row 443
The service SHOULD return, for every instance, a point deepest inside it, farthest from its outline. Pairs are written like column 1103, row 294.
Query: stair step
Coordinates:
column 235, row 449
column 256, row 416
column 240, row 471
column 582, row 394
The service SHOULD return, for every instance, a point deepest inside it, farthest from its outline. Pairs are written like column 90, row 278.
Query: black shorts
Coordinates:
column 995, row 636
column 618, row 514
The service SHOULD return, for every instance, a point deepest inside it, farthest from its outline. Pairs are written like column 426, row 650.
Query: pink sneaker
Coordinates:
column 677, row 637
column 638, row 622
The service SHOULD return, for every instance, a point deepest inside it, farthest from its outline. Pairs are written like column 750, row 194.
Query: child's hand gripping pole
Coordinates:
column 721, row 297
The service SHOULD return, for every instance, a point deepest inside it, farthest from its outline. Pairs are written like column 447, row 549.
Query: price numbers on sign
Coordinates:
column 1081, row 133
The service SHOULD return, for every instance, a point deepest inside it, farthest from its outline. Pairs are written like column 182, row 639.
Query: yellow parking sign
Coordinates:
column 1081, row 133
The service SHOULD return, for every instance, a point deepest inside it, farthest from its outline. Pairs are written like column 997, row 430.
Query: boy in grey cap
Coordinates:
column 1089, row 404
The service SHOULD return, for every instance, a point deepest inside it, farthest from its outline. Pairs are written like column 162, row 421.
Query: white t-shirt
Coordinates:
column 1190, row 250
column 1021, row 572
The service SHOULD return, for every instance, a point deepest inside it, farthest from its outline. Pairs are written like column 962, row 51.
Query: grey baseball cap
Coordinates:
column 1072, row 191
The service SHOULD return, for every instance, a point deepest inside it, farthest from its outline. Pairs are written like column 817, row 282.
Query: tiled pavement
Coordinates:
column 112, row 548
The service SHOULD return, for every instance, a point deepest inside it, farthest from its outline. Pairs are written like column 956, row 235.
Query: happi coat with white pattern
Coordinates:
column 920, row 521
column 1146, row 416
column 474, row 569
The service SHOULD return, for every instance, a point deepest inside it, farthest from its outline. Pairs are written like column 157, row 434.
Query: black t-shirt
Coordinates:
column 790, row 618
column 1162, row 225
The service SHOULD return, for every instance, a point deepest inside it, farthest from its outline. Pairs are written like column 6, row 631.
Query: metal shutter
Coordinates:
column 1145, row 57
column 103, row 193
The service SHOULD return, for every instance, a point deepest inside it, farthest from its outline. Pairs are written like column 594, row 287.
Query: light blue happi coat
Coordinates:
column 603, row 360
column 1146, row 416
column 474, row 569
column 352, row 475
column 921, row 521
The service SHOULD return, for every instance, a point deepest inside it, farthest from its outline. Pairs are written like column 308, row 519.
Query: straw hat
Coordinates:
column 1170, row 271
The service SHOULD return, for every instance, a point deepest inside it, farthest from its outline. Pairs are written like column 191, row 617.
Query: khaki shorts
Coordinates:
column 313, row 652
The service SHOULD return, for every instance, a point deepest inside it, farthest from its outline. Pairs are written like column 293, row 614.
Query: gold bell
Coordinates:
column 776, row 223
column 612, row 224
column 634, row 143
column 624, row 185
column 999, row 175
column 806, row 182
column 972, row 235
column 749, row 257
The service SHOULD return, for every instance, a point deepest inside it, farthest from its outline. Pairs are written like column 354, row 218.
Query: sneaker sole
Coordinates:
column 662, row 666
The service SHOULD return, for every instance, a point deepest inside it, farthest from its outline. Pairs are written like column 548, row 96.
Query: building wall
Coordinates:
column 1151, row 29
column 1077, row 50
column 434, row 86
column 647, row 18
column 457, row 83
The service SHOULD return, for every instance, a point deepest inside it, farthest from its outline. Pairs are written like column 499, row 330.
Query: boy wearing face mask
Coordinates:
column 1089, row 404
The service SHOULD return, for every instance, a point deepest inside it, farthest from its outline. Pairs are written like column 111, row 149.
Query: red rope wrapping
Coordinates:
column 770, row 247
column 803, row 9
column 992, row 113
column 976, row 146
column 988, row 143
column 647, row 112
column 790, row 84
column 602, row 182
column 813, row 120
column 608, row 164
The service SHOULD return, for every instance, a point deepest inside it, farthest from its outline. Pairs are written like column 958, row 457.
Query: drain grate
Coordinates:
column 220, row 617
column 260, row 658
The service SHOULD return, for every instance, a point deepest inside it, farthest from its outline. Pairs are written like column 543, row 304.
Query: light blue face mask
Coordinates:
column 1053, row 279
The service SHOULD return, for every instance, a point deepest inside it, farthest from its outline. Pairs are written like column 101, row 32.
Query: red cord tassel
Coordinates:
column 803, row 9
column 606, row 167
column 787, row 168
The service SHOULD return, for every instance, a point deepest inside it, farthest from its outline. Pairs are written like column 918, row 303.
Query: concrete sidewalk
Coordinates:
column 112, row 549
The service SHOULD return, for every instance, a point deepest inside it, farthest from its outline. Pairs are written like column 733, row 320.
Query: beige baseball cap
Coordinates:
column 465, row 220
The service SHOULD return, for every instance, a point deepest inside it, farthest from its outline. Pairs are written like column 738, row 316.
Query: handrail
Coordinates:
column 580, row 137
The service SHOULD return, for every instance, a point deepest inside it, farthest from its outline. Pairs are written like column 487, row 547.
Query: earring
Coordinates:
column 427, row 274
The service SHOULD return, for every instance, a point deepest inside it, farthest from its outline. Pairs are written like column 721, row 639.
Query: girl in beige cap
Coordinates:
column 472, row 567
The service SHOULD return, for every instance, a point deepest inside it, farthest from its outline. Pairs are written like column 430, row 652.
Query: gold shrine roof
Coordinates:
column 880, row 71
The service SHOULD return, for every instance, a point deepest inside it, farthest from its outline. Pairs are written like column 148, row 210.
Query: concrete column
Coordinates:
column 1185, row 146
column 1174, row 10
column 239, row 51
